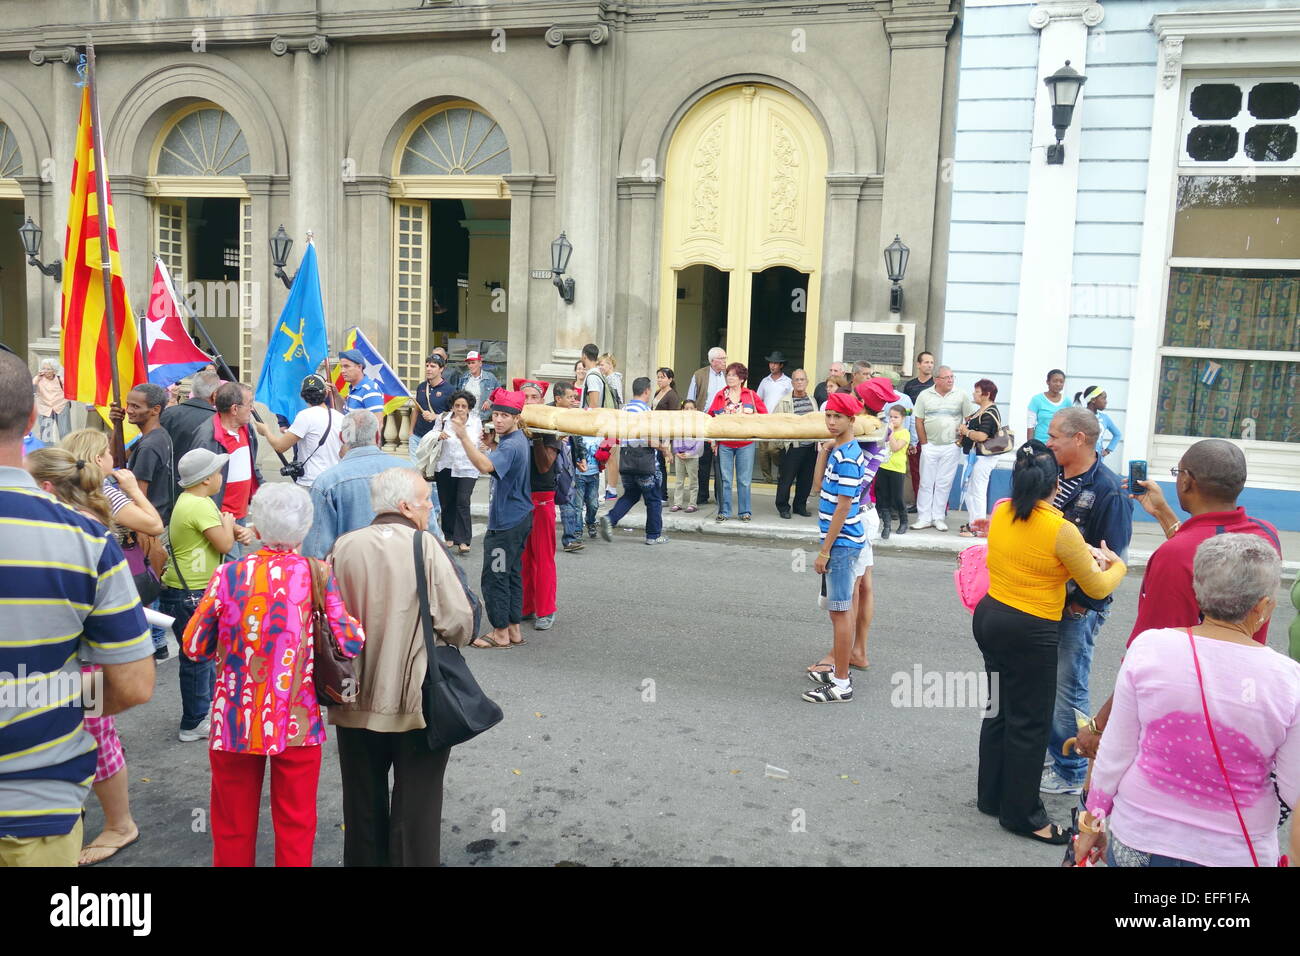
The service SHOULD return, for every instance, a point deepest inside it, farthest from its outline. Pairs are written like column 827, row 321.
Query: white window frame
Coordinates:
column 1192, row 48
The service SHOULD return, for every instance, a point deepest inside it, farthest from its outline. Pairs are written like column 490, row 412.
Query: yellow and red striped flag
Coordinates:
column 83, row 346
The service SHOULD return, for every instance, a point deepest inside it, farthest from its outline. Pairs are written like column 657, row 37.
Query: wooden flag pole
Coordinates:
column 105, row 253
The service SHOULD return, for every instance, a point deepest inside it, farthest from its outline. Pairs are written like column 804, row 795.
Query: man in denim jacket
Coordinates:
column 1089, row 496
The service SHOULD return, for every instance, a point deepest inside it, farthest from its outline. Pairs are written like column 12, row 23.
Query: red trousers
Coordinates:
column 237, row 797
column 914, row 470
column 539, row 557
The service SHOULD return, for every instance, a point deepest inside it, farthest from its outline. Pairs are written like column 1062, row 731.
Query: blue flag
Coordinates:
column 297, row 346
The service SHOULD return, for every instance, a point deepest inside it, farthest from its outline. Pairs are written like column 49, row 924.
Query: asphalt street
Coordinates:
column 659, row 723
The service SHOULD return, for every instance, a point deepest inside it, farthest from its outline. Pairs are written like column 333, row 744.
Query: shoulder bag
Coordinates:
column 1000, row 442
column 332, row 673
column 455, row 707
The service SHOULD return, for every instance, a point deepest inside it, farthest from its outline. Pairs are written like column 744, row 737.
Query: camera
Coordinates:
column 294, row 470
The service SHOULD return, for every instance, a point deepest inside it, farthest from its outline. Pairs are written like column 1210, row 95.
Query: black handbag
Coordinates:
column 637, row 461
column 455, row 707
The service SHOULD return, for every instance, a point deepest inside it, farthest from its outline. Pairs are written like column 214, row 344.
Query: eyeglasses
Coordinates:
column 1179, row 471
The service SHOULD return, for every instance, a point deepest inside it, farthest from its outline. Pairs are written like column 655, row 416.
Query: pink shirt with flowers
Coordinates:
column 255, row 620
column 1156, row 777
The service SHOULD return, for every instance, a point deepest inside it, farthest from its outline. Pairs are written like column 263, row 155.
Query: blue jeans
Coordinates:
column 159, row 633
column 1117, row 854
column 742, row 460
column 196, row 677
column 571, row 513
column 586, row 489
column 1073, row 667
column 641, row 488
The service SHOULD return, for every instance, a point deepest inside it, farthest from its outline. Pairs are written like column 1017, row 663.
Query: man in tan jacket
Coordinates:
column 384, row 727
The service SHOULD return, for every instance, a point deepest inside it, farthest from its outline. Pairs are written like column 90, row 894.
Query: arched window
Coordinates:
column 460, row 141
column 204, row 142
column 11, row 161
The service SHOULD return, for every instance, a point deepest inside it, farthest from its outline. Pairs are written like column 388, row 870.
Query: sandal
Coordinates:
column 675, row 508
column 115, row 850
column 1058, row 837
column 966, row 532
column 691, row 509
column 720, row 518
column 745, row 517
column 488, row 644
column 463, row 549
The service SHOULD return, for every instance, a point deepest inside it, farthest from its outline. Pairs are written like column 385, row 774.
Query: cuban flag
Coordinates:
column 395, row 393
column 172, row 353
column 1211, row 373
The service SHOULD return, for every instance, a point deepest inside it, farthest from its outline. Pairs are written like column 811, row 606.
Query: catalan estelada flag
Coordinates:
column 83, row 346
column 395, row 393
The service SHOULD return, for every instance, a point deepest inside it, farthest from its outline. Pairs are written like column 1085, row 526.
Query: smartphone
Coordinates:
column 1137, row 471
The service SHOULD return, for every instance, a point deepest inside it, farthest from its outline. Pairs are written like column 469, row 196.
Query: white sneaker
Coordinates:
column 196, row 733
column 918, row 525
column 940, row 525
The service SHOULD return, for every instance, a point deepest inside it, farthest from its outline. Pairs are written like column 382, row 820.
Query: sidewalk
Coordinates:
column 802, row 532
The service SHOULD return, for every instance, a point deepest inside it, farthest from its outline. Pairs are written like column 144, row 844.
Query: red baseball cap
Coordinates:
column 876, row 393
column 473, row 357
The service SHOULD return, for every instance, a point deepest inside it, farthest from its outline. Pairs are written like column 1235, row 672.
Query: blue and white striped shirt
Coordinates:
column 365, row 394
column 845, row 470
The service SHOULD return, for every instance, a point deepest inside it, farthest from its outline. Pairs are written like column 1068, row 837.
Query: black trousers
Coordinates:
column 1020, row 658
column 454, row 495
column 710, row 467
column 406, row 831
column 797, row 469
column 889, row 491
column 502, row 582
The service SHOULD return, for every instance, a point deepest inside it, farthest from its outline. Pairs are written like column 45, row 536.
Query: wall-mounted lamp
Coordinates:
column 896, row 254
column 281, row 245
column 561, row 250
column 31, row 236
column 1063, row 86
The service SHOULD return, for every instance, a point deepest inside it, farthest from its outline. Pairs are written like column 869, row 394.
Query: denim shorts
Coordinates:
column 841, row 578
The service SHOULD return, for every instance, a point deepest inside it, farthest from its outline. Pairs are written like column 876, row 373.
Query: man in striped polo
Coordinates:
column 67, row 594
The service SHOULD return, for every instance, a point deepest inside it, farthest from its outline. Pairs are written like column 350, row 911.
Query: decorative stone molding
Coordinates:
column 913, row 31
column 34, row 187
column 1171, row 60
column 367, row 186
column 636, row 187
column 41, row 55
column 125, row 184
column 316, row 44
column 595, row 34
column 264, row 184
column 1045, row 11
column 845, row 187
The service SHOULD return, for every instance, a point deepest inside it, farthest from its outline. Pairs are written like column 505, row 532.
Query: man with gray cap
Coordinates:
column 199, row 537
column 340, row 496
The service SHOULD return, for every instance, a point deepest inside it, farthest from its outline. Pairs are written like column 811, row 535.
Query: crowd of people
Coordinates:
column 257, row 575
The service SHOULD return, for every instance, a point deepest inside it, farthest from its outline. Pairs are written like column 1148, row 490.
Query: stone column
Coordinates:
column 1047, row 262
column 838, row 258
column 308, row 188
column 580, row 189
column 518, row 361
column 918, row 48
column 639, row 201
column 370, row 250
column 261, row 191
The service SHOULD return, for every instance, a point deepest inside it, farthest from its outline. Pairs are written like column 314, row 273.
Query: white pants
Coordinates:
column 938, row 467
column 977, row 490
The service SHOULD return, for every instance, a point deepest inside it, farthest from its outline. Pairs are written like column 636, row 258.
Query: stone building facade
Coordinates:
column 727, row 172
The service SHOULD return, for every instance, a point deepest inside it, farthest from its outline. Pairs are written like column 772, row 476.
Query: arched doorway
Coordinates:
column 451, row 236
column 13, row 262
column 744, row 202
column 202, row 223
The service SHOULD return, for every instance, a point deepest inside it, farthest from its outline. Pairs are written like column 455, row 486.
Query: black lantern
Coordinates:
column 30, row 233
column 561, row 250
column 281, row 245
column 896, row 254
column 1063, row 86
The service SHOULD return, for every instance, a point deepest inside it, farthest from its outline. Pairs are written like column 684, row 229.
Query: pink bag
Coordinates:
column 972, row 575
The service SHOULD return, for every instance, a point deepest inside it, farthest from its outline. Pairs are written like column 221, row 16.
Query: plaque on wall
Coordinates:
column 875, row 347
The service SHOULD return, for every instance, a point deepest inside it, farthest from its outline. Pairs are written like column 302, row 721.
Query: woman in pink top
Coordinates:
column 255, row 618
column 1159, row 795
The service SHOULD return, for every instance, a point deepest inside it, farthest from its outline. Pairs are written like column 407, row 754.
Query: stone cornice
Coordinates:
column 910, row 31
column 1045, row 11
column 41, row 55
column 637, row 187
column 316, row 44
column 125, row 184
column 367, row 186
column 1235, row 24
column 845, row 187
column 266, row 184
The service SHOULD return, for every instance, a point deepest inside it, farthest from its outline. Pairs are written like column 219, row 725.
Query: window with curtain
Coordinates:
column 1230, row 351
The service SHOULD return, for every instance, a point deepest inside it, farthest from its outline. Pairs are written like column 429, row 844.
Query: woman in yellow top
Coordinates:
column 1032, row 552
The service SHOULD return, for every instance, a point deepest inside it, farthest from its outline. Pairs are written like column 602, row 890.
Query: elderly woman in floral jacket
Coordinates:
column 255, row 619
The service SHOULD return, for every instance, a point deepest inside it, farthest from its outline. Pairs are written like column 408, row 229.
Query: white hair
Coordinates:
column 391, row 487
column 1231, row 572
column 282, row 514
column 51, row 364
column 716, row 352
column 204, row 384
column 360, row 428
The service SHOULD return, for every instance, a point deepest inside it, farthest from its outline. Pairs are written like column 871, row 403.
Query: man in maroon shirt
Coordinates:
column 1209, row 478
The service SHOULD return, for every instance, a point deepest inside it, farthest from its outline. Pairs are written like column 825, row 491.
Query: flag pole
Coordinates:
column 216, row 351
column 105, row 253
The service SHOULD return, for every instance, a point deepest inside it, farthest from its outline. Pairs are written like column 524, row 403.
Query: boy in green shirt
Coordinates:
column 199, row 536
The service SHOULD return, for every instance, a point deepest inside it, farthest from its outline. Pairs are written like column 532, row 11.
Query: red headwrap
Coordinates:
column 519, row 384
column 876, row 393
column 503, row 401
column 844, row 403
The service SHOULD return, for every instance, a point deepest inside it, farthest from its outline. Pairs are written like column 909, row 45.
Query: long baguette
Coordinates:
column 623, row 425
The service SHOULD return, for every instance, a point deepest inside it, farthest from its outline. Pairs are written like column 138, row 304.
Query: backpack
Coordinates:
column 564, row 475
column 972, row 575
